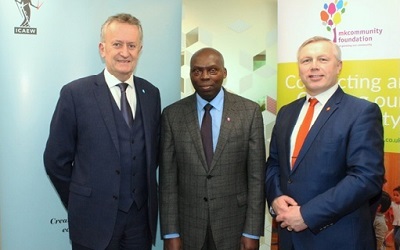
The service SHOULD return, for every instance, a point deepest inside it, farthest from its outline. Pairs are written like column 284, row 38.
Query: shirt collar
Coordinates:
column 112, row 80
column 217, row 102
column 324, row 96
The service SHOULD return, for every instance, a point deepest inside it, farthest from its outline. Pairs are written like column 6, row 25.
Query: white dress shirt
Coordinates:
column 112, row 82
column 322, row 100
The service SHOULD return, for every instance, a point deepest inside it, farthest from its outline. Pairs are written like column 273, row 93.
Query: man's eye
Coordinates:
column 116, row 45
column 132, row 46
column 213, row 71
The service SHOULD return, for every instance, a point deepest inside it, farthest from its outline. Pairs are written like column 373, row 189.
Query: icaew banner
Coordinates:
column 44, row 45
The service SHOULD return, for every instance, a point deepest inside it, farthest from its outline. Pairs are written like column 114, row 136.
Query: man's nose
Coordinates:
column 315, row 64
column 124, row 50
column 205, row 74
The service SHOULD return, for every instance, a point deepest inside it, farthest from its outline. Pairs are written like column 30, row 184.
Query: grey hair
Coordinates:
column 121, row 18
column 337, row 52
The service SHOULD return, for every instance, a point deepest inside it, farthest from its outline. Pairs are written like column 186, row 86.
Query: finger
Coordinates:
column 290, row 201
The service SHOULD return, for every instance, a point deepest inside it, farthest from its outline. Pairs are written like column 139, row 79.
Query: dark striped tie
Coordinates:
column 125, row 107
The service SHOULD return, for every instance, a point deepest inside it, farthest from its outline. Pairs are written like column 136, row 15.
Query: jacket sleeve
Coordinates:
column 60, row 148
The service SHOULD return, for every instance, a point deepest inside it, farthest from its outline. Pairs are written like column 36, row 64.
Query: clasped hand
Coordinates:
column 288, row 213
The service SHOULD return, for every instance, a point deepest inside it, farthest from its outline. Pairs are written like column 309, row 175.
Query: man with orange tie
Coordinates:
column 326, row 159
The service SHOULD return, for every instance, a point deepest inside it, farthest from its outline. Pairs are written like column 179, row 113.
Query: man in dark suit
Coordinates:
column 103, row 164
column 215, row 204
column 320, row 192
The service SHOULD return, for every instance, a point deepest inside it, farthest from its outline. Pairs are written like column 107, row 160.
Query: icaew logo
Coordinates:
column 24, row 8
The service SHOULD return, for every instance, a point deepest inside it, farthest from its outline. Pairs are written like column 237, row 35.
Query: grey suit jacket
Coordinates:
column 230, row 193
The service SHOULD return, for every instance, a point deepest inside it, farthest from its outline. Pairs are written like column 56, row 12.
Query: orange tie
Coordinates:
column 303, row 131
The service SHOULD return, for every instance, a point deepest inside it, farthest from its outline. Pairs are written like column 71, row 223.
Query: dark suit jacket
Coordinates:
column 82, row 156
column 232, row 190
column 338, row 170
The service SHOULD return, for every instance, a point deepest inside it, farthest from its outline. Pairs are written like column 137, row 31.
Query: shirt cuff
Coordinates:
column 171, row 236
column 250, row 236
column 175, row 235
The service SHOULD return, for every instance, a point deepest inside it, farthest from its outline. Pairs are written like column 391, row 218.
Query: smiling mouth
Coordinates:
column 124, row 61
column 315, row 76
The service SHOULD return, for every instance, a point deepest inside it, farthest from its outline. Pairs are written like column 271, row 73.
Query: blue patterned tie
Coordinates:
column 125, row 107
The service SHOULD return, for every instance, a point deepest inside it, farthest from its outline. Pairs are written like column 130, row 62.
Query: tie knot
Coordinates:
column 313, row 101
column 208, row 107
column 123, row 86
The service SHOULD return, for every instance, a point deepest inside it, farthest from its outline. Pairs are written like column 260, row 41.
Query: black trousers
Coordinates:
column 131, row 231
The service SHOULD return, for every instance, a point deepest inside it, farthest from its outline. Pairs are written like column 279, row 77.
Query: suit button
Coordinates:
column 133, row 141
column 115, row 197
column 134, row 158
column 205, row 199
column 289, row 181
column 209, row 176
column 117, row 172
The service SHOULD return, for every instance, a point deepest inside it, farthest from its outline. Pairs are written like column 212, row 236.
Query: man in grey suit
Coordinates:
column 102, row 163
column 220, row 204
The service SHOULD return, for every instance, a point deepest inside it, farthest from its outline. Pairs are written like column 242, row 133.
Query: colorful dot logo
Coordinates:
column 331, row 15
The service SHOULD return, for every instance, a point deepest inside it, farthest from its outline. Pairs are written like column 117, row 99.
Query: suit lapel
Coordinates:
column 293, row 113
column 330, row 107
column 192, row 124
column 228, row 115
column 103, row 98
column 144, row 102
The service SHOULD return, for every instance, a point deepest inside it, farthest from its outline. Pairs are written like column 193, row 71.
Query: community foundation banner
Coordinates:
column 368, row 34
column 46, row 44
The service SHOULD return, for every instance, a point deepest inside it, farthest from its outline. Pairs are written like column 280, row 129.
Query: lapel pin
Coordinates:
column 328, row 108
column 143, row 91
column 228, row 119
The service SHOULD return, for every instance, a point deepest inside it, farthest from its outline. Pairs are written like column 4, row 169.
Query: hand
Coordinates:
column 249, row 244
column 282, row 203
column 173, row 244
column 292, row 219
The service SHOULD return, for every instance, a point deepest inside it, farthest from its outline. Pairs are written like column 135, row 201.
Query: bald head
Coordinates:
column 208, row 51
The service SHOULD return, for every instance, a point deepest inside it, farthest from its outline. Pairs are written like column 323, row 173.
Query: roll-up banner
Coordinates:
column 44, row 45
column 368, row 34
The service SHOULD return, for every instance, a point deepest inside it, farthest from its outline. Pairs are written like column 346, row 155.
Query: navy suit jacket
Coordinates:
column 82, row 156
column 338, row 170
